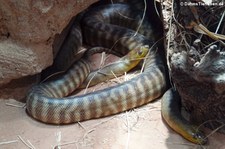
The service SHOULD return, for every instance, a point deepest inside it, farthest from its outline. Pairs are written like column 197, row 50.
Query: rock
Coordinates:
column 17, row 60
column 198, row 66
column 28, row 29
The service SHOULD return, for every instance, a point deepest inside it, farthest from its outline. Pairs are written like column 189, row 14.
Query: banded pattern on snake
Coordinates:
column 46, row 102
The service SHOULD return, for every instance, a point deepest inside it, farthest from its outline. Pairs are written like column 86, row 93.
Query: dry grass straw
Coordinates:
column 202, row 29
column 8, row 142
column 85, row 136
column 15, row 105
column 26, row 143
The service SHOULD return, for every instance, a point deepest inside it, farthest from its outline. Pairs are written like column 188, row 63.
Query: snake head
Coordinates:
column 142, row 51
column 138, row 53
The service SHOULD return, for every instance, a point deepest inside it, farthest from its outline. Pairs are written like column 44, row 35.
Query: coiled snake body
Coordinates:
column 103, row 26
column 46, row 101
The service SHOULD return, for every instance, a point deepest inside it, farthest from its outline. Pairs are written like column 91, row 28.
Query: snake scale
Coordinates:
column 118, row 68
column 105, row 26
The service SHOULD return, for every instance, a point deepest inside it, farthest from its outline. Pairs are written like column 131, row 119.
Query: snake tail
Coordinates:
column 171, row 113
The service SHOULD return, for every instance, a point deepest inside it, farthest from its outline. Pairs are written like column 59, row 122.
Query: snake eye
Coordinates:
column 140, row 52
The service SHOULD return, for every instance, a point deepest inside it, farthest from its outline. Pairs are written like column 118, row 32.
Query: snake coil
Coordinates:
column 105, row 26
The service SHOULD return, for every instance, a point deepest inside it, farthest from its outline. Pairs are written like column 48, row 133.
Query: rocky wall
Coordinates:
column 28, row 29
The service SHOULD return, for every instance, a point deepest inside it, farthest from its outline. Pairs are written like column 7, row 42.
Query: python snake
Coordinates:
column 103, row 26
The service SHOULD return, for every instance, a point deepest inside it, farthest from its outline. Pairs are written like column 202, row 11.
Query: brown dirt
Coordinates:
column 139, row 128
